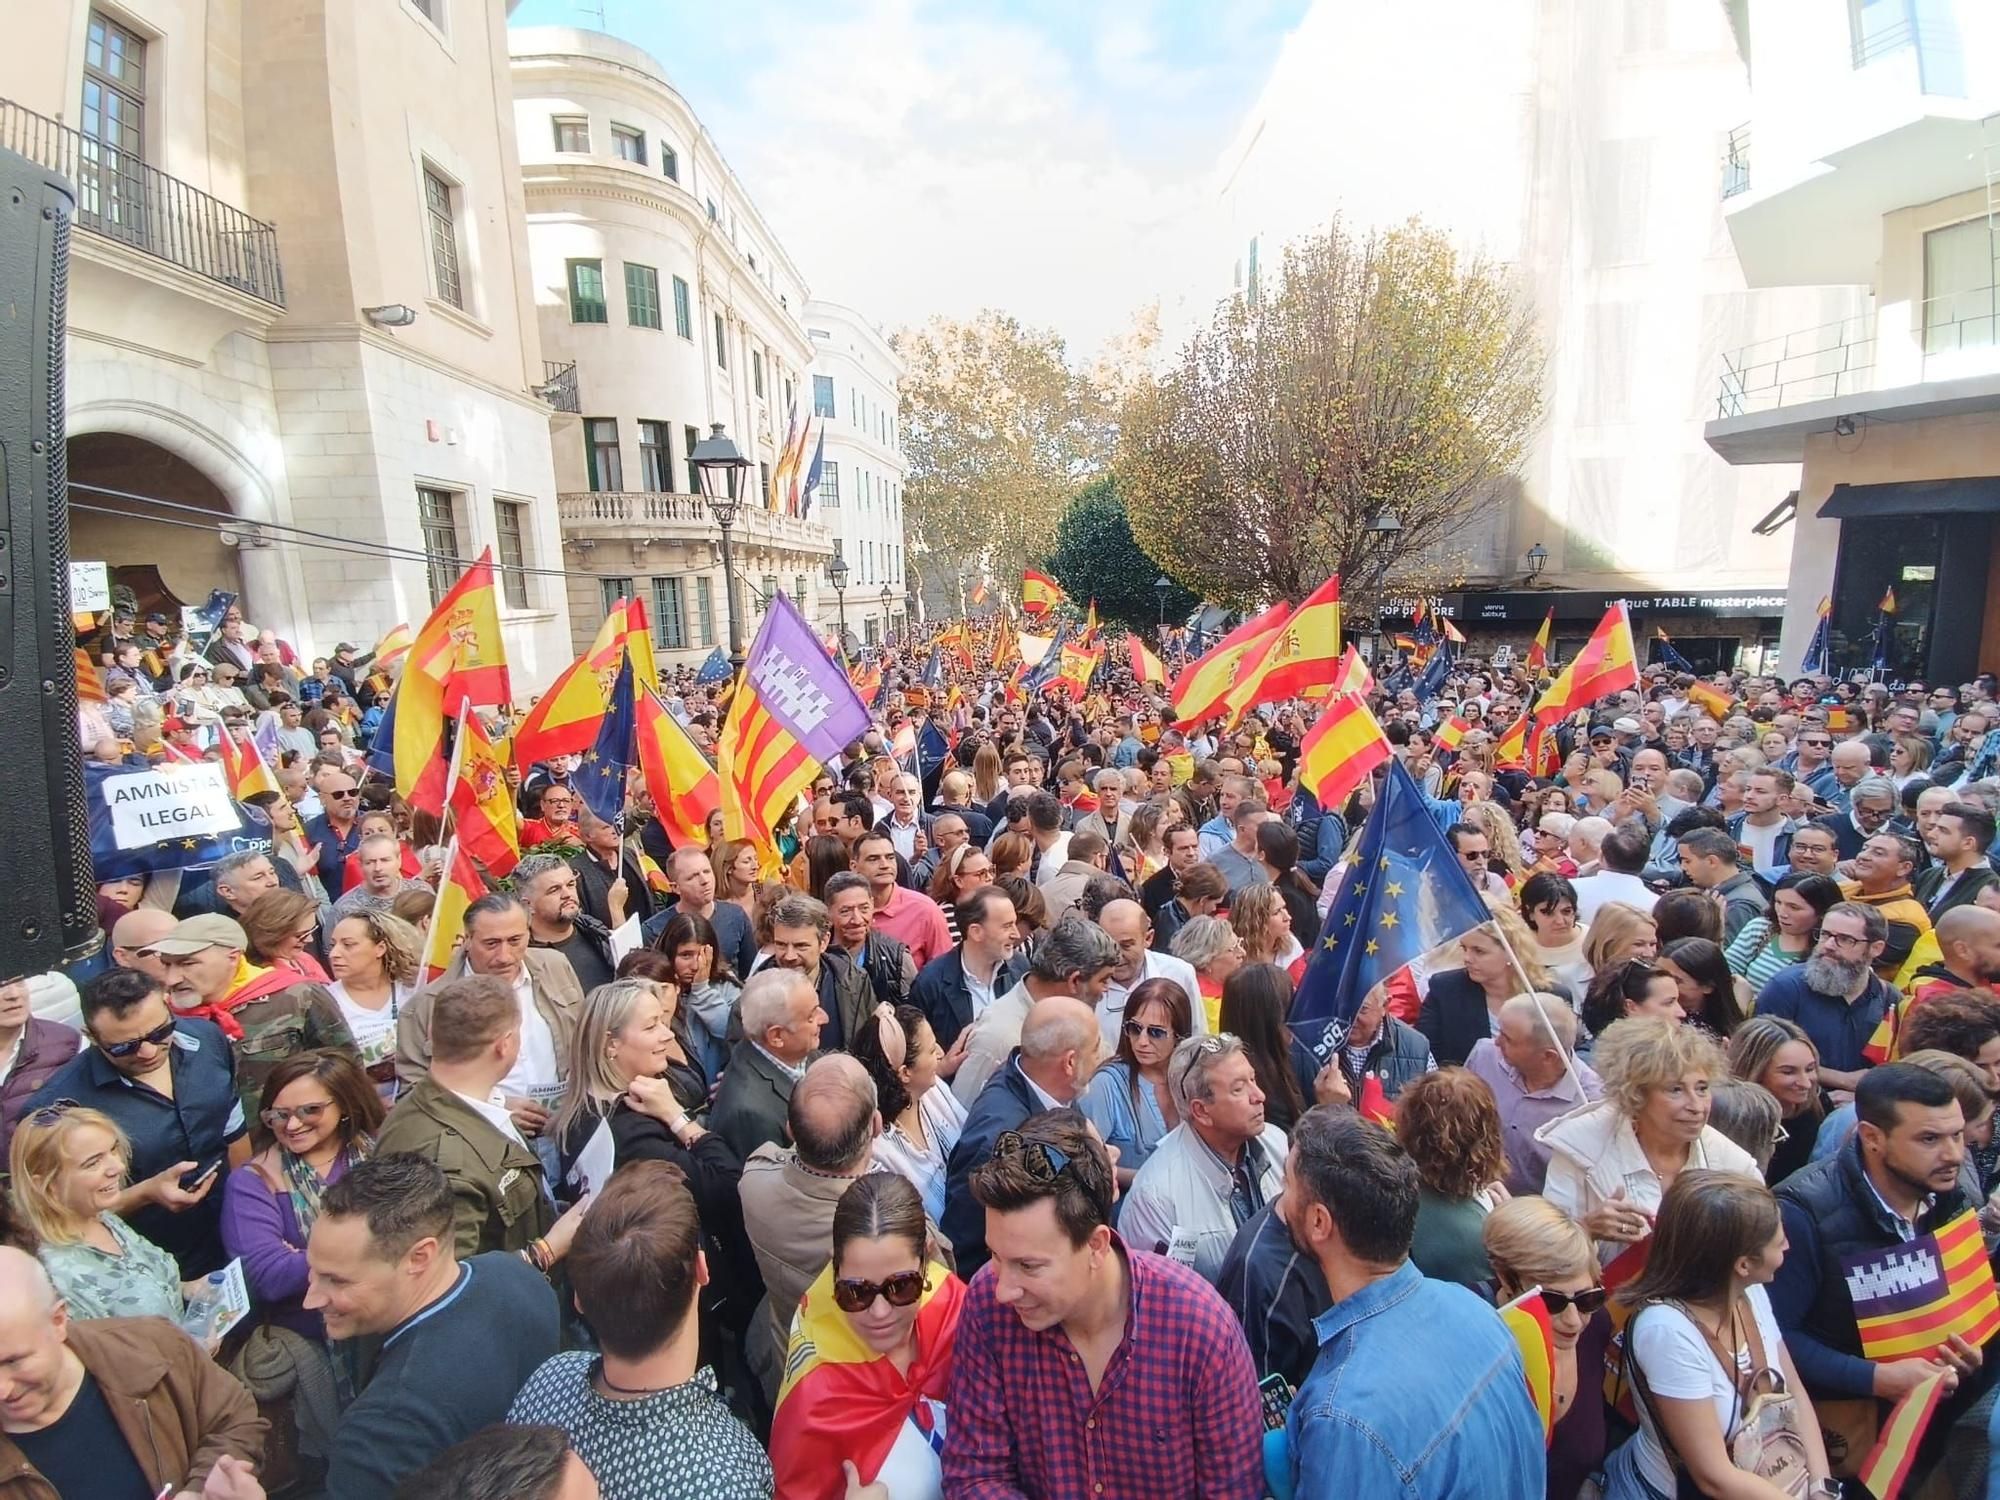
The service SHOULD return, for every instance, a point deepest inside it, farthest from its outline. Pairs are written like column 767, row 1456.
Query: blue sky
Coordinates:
column 1051, row 159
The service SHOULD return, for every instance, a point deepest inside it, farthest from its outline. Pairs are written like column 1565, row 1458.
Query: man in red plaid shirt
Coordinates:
column 1085, row 1368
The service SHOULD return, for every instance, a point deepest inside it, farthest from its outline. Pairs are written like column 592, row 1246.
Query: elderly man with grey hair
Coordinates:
column 1215, row 1169
column 782, row 1021
column 1074, row 958
column 1531, row 1065
column 802, row 940
column 1113, row 818
column 1871, row 803
column 1586, row 843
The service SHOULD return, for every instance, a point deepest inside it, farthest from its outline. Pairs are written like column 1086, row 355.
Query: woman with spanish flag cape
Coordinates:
column 870, row 1359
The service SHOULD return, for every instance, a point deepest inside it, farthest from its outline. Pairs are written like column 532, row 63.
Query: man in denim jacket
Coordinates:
column 1418, row 1390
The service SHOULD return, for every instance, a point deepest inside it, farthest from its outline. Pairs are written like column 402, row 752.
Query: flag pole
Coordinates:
column 1542, row 1006
column 451, row 771
column 436, row 927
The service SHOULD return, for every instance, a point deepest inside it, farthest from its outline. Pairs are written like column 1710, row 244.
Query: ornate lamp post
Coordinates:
column 1538, row 559
column 1163, row 586
column 836, row 574
column 722, row 467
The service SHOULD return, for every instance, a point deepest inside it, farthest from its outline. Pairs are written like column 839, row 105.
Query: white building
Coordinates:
column 296, row 306
column 1872, row 157
column 652, row 271
column 1581, row 142
column 855, row 375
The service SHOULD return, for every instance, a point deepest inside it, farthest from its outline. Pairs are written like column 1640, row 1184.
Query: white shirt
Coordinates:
column 1111, row 1009
column 495, row 1113
column 944, row 1121
column 535, row 1068
column 980, row 991
column 1610, row 885
column 903, row 836
column 374, row 1030
column 1053, row 859
column 1184, row 1187
column 1680, row 1364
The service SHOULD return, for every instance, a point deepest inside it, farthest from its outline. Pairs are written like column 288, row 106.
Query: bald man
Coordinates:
column 1060, row 1048
column 112, row 1406
column 1968, row 945
column 1132, row 930
column 789, row 1192
column 133, row 936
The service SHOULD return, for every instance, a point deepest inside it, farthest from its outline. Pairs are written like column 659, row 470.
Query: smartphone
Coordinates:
column 191, row 1181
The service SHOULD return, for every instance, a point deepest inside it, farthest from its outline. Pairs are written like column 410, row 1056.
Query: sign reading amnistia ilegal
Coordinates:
column 174, row 802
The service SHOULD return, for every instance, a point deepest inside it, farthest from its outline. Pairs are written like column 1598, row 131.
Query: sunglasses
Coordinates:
column 1584, row 1302
column 1136, row 1029
column 48, row 1114
column 1043, row 1163
column 900, row 1290
column 345, row 796
column 159, row 1036
column 305, row 1114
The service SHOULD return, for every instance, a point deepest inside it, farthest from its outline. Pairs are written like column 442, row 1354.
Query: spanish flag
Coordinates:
column 1146, row 667
column 678, row 776
column 394, row 645
column 980, row 594
column 1006, row 645
column 1511, row 749
column 1527, row 1318
column 1340, row 750
column 1451, row 632
column 1538, row 649
column 1090, row 624
column 563, row 721
column 1350, row 675
column 1711, row 699
column 1039, row 593
column 639, row 646
column 243, row 764
column 1305, row 652
column 460, row 648
column 1606, row 664
column 1888, row 604
column 1077, row 667
column 1451, row 733
column 483, row 802
column 1204, row 684
column 840, row 1400
column 458, row 889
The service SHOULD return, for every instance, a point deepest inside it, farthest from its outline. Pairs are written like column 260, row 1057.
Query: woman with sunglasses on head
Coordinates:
column 322, row 1113
column 67, row 1169
column 282, row 927
column 1128, row 1099
column 1532, row 1243
column 1636, row 987
column 921, row 1120
column 861, row 1413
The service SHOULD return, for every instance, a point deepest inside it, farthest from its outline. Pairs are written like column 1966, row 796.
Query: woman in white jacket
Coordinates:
column 1611, row 1162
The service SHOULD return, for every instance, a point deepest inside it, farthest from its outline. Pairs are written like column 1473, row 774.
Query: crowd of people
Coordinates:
column 976, row 1155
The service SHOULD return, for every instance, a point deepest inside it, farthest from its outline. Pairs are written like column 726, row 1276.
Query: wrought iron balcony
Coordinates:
column 121, row 198
column 558, row 386
column 1736, row 163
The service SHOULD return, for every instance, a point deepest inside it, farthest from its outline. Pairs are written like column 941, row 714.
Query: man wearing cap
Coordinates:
column 346, row 663
column 268, row 1015
column 156, row 650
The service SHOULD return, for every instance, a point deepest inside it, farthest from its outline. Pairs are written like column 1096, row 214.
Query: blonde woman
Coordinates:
column 1501, row 837
column 1617, row 933
column 374, row 958
column 1533, row 1244
column 67, row 1168
column 1611, row 1162
column 1264, row 923
column 736, row 868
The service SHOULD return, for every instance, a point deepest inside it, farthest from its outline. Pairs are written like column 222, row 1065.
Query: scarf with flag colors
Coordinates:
column 1344, row 745
column 841, row 1400
column 1402, row 893
column 483, row 803
column 1606, row 664
column 1039, row 593
column 678, row 776
column 793, row 712
column 1527, row 1318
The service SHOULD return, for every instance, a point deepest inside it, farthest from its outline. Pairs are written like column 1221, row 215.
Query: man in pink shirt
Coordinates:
column 910, row 917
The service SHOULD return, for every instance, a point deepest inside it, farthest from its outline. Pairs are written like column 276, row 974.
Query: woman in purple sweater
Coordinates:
column 322, row 1113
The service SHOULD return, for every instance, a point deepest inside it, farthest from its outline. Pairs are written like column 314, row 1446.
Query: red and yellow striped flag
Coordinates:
column 1205, row 684
column 1606, row 664
column 1937, row 1286
column 1511, row 749
column 1039, row 593
column 1451, row 733
column 458, row 889
column 89, row 681
column 1711, row 700
column 1146, row 667
column 1527, row 1318
column 1538, row 649
column 678, row 776
column 243, row 764
column 483, row 802
column 1340, row 750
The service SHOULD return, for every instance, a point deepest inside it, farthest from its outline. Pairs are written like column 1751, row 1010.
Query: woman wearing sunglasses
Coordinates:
column 1532, row 1243
column 322, row 1113
column 67, row 1169
column 870, row 1361
column 1128, row 1099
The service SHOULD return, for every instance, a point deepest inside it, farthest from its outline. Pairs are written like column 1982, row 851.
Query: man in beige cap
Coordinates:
column 267, row 1014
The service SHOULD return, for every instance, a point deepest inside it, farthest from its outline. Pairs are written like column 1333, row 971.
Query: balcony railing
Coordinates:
column 664, row 513
column 123, row 199
column 558, row 386
column 1736, row 163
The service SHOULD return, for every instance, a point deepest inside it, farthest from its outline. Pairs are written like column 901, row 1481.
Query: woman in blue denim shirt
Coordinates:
column 1127, row 1099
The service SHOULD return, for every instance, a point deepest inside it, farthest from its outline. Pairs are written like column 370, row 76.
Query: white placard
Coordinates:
column 89, row 588
column 185, row 802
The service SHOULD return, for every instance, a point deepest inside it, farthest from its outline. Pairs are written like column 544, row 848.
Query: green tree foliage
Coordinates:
column 999, row 432
column 1374, row 376
column 1095, row 557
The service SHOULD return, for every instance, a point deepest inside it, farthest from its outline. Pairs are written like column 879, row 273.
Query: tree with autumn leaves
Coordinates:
column 1377, row 375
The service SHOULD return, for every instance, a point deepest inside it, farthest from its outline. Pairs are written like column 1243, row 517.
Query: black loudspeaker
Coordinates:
column 48, row 899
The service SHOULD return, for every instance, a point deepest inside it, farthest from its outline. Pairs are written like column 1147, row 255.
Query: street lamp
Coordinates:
column 1538, row 559
column 887, row 595
column 836, row 574
column 721, row 467
column 1163, row 586
column 1384, row 524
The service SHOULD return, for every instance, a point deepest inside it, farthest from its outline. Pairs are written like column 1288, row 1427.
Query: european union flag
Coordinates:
column 714, row 668
column 600, row 780
column 1044, row 671
column 1431, row 683
column 933, row 749
column 933, row 673
column 1819, row 650
column 1404, row 894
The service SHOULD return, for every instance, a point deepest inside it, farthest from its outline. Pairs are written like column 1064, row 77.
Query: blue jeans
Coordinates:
column 1622, row 1479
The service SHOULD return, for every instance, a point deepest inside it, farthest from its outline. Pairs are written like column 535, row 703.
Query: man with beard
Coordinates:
column 1895, row 1178
column 556, row 919
column 1835, row 996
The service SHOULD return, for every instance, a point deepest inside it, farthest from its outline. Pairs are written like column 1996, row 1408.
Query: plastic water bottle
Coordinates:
column 203, row 1309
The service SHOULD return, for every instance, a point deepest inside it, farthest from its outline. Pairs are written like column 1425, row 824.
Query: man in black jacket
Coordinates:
column 953, row 988
column 1896, row 1178
column 850, row 906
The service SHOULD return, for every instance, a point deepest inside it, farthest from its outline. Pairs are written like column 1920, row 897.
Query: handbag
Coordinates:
column 1764, row 1435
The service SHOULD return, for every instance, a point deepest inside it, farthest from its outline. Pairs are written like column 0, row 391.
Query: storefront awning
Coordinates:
column 1913, row 497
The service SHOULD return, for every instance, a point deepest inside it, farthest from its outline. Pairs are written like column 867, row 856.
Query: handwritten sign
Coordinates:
column 185, row 802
